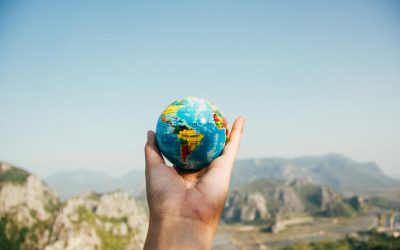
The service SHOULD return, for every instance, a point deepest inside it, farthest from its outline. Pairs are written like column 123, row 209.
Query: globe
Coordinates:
column 191, row 132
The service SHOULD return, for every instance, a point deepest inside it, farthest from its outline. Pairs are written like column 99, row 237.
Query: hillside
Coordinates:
column 32, row 217
column 266, row 199
column 339, row 172
column 26, row 208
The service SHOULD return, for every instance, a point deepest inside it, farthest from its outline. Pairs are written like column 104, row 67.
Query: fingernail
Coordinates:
column 148, row 134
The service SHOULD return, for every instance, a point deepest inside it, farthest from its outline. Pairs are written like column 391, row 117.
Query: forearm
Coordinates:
column 179, row 233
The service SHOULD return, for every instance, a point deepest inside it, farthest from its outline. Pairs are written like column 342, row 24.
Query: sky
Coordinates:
column 81, row 82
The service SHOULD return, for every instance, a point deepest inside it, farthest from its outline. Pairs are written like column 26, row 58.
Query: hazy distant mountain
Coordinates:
column 69, row 184
column 339, row 172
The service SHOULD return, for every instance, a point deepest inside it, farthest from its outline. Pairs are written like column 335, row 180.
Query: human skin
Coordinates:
column 185, row 206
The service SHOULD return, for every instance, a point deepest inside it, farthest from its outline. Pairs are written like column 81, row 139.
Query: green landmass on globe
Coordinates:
column 191, row 132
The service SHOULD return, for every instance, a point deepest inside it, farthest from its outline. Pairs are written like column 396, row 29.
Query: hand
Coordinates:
column 185, row 206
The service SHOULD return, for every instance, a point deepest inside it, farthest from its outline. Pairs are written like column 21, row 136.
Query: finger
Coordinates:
column 232, row 147
column 152, row 154
column 218, row 175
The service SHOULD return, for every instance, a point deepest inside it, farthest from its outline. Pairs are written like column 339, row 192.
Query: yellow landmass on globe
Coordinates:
column 190, row 140
column 171, row 109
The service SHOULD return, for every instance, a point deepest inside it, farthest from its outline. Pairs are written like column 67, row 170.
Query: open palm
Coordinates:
column 201, row 195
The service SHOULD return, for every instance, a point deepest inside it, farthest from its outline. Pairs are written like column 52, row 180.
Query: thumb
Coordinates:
column 152, row 153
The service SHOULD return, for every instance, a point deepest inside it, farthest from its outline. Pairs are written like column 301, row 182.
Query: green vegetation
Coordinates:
column 310, row 195
column 15, row 175
column 11, row 236
column 369, row 240
column 95, row 196
column 52, row 206
column 327, row 245
column 338, row 209
column 385, row 202
column 108, row 239
column 86, row 215
column 265, row 184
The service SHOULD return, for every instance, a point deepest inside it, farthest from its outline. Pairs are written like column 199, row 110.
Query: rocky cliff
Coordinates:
column 93, row 221
column 26, row 209
column 267, row 199
column 32, row 217
column 246, row 207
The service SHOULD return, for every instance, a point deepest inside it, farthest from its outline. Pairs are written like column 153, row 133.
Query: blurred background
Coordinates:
column 81, row 82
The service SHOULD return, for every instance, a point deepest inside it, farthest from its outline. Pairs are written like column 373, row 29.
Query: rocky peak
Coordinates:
column 95, row 221
column 326, row 196
column 31, row 217
column 290, row 201
column 24, row 195
column 246, row 207
column 357, row 202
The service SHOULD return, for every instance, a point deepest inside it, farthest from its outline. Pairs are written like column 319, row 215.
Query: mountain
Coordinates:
column 26, row 208
column 339, row 172
column 32, row 216
column 72, row 183
column 265, row 198
column 273, row 201
column 99, row 221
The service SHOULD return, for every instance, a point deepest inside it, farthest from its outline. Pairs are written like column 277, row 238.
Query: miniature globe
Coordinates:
column 191, row 132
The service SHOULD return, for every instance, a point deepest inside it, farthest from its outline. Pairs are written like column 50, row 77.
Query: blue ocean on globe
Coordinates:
column 191, row 132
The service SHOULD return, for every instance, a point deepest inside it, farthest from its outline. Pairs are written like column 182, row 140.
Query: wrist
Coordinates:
column 175, row 232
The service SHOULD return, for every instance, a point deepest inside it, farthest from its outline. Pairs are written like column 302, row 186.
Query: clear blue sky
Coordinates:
column 82, row 81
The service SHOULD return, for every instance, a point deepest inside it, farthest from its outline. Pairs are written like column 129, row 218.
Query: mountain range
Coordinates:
column 339, row 172
column 94, row 214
